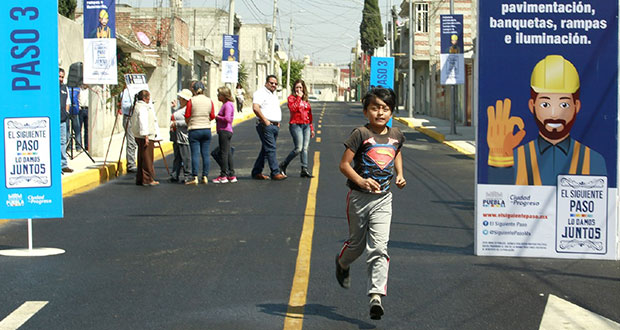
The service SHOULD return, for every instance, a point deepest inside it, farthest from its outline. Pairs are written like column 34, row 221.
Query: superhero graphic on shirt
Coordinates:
column 374, row 155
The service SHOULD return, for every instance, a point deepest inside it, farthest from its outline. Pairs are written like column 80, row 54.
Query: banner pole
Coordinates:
column 30, row 235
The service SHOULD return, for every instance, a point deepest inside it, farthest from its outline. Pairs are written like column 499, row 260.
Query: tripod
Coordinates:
column 72, row 138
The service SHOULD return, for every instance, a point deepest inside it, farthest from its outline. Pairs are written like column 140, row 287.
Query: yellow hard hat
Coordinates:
column 454, row 37
column 554, row 74
column 103, row 14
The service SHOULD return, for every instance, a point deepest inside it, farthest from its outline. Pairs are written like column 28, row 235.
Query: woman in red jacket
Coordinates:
column 300, row 126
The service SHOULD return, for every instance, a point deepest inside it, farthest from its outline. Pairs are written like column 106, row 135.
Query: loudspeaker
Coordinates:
column 76, row 71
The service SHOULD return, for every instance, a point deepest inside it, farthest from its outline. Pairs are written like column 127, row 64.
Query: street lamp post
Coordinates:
column 454, row 96
column 410, row 60
column 273, row 36
column 288, row 65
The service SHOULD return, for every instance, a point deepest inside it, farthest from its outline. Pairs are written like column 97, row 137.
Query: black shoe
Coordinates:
column 305, row 173
column 376, row 310
column 67, row 170
column 283, row 169
column 173, row 179
column 342, row 275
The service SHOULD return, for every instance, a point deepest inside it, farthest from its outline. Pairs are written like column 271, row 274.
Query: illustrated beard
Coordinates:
column 554, row 134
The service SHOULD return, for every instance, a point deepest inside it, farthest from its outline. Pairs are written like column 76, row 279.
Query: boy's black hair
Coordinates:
column 386, row 95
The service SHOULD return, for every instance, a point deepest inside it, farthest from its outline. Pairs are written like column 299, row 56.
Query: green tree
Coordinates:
column 371, row 31
column 296, row 69
column 242, row 75
column 67, row 8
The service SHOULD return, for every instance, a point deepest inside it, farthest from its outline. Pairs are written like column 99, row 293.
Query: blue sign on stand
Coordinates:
column 382, row 74
column 30, row 178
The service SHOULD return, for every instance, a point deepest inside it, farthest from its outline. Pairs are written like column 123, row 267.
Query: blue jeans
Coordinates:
column 268, row 136
column 301, row 139
column 63, row 145
column 199, row 140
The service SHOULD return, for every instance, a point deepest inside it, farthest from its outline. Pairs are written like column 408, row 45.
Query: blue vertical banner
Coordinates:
column 452, row 58
column 382, row 74
column 547, row 136
column 100, row 42
column 230, row 49
column 31, row 172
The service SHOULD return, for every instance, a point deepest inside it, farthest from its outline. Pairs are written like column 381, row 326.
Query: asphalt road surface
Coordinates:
column 225, row 256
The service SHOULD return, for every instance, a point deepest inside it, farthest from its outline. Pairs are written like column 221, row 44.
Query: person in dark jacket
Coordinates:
column 65, row 103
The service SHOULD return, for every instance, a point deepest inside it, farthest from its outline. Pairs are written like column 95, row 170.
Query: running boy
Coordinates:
column 374, row 150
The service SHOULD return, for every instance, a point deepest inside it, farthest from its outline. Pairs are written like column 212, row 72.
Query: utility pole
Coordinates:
column 273, row 37
column 231, row 17
column 454, row 97
column 410, row 80
column 231, row 30
column 350, row 83
column 288, row 65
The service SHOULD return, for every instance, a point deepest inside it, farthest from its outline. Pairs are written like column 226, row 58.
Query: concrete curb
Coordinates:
column 89, row 179
column 439, row 137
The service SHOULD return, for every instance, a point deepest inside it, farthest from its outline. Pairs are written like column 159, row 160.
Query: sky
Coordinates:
column 326, row 30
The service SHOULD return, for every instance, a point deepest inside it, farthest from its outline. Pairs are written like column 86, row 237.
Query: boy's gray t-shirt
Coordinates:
column 374, row 155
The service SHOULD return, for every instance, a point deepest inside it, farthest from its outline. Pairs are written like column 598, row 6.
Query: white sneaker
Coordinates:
column 221, row 179
column 376, row 309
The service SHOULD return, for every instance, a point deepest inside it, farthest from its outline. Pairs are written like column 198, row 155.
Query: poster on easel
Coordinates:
column 547, row 133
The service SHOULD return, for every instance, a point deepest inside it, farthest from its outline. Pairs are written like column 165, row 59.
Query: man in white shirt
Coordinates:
column 266, row 106
column 83, row 100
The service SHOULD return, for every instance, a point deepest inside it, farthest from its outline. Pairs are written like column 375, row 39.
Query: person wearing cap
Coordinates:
column 179, row 137
column 554, row 102
column 454, row 45
column 198, row 116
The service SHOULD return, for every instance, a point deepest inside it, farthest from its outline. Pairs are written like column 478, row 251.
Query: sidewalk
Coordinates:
column 464, row 141
column 88, row 175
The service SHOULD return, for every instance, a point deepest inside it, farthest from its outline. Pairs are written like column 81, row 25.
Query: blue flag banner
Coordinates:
column 547, row 132
column 382, row 74
column 31, row 174
column 230, row 48
column 452, row 59
column 100, row 42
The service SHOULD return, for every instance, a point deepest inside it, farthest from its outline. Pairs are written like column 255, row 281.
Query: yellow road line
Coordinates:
column 295, row 311
column 318, row 139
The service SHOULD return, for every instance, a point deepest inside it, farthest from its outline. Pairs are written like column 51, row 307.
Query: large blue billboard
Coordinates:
column 30, row 179
column 547, row 143
column 542, row 43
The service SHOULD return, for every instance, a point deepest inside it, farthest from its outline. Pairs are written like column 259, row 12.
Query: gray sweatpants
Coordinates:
column 369, row 218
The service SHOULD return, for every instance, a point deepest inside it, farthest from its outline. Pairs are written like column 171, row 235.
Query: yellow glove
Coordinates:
column 500, row 135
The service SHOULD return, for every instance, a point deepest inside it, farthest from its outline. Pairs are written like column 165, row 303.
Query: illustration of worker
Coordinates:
column 454, row 48
column 103, row 30
column 554, row 103
column 231, row 55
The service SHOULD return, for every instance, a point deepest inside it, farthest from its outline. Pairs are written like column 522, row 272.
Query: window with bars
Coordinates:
column 421, row 17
